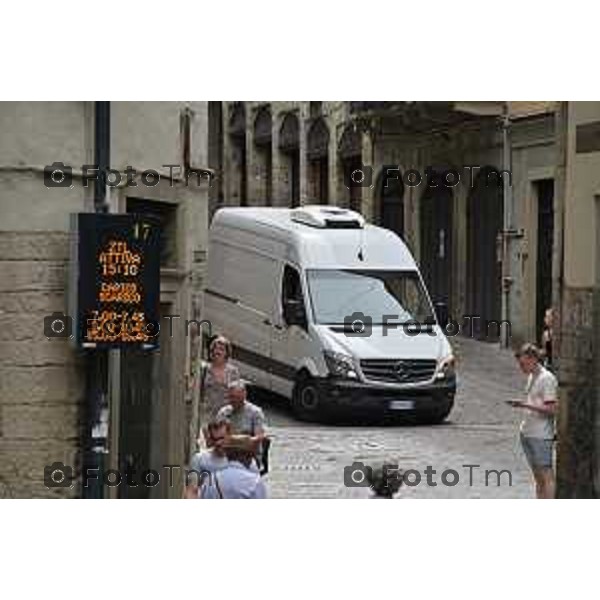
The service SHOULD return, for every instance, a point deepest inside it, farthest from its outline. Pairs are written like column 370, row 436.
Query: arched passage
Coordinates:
column 349, row 159
column 317, row 155
column 484, row 268
column 289, row 146
column 263, row 128
column 237, row 137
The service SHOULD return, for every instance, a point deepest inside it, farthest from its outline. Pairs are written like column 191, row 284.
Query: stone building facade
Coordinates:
column 43, row 394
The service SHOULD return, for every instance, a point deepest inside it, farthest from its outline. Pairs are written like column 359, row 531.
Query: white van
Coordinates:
column 327, row 311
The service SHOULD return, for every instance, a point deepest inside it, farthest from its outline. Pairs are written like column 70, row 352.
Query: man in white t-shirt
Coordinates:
column 537, row 427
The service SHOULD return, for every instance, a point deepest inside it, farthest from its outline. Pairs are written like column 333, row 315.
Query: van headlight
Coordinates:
column 446, row 368
column 340, row 365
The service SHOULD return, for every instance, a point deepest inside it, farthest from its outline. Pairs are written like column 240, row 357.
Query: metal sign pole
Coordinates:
column 94, row 437
column 114, row 388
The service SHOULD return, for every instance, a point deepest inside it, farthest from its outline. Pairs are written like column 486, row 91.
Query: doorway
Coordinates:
column 485, row 208
column 436, row 242
column 146, row 416
column 137, row 368
column 390, row 202
column 545, row 241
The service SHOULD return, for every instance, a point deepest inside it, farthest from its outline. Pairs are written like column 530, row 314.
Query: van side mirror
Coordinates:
column 293, row 312
column 441, row 313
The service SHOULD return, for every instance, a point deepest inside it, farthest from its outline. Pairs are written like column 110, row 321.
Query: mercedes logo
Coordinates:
column 401, row 371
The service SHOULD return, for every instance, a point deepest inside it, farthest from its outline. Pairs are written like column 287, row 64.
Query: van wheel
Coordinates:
column 306, row 399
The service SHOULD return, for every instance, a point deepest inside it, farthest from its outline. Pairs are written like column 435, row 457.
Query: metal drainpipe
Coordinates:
column 112, row 383
column 507, row 226
column 101, row 153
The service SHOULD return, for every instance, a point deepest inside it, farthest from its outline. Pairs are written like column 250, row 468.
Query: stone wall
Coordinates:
column 42, row 381
column 579, row 327
column 577, row 367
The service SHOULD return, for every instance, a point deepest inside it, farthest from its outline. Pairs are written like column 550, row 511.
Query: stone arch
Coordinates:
column 289, row 133
column 289, row 146
column 236, row 129
column 263, row 126
column 317, row 155
column 262, row 182
column 350, row 142
column 349, row 160
column 237, row 120
column 317, row 140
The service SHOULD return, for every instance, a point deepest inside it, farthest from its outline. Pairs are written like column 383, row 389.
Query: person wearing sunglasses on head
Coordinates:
column 208, row 461
column 239, row 480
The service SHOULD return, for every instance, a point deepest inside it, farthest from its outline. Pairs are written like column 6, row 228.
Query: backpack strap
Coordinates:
column 221, row 497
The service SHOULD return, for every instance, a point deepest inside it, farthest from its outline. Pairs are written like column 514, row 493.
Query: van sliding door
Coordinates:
column 288, row 341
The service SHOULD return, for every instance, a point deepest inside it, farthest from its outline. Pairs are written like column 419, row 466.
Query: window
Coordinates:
column 338, row 294
column 292, row 300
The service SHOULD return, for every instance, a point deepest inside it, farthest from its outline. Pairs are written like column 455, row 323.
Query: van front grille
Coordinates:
column 397, row 370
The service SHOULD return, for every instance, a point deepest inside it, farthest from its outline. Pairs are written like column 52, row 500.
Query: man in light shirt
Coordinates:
column 238, row 480
column 537, row 427
column 207, row 462
column 245, row 418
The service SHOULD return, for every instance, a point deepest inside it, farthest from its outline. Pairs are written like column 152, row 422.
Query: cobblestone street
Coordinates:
column 308, row 460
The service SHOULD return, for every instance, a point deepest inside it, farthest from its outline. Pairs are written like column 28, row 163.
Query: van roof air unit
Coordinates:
column 328, row 217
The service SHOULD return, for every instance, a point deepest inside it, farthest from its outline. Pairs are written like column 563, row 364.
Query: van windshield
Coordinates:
column 336, row 295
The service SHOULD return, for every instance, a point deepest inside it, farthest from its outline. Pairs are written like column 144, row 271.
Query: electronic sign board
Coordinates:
column 115, row 280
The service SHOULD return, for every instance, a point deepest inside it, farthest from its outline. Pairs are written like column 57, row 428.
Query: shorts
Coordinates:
column 538, row 452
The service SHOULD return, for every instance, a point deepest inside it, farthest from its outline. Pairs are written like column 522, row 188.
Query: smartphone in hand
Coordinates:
column 514, row 403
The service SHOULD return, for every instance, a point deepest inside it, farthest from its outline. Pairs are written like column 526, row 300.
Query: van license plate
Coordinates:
column 402, row 404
